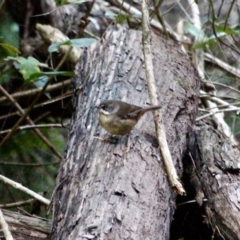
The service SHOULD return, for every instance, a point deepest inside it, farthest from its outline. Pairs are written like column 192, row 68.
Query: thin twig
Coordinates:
column 49, row 125
column 37, row 131
column 34, row 91
column 26, row 113
column 134, row 11
column 18, row 204
column 228, row 14
column 85, row 19
column 29, row 164
column 4, row 228
column 214, row 30
column 218, row 117
column 15, row 127
column 218, row 111
column 66, row 95
column 198, row 55
column 192, row 201
column 161, row 135
column 24, row 189
column 156, row 11
column 220, row 9
column 223, row 65
column 185, row 11
column 226, row 86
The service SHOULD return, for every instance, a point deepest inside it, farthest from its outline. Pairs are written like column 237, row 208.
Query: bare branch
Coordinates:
column 223, row 65
column 29, row 164
column 24, row 189
column 161, row 135
column 66, row 95
column 5, row 229
column 34, row 91
column 18, row 204
column 132, row 10
column 37, row 131
column 228, row 14
column 50, row 125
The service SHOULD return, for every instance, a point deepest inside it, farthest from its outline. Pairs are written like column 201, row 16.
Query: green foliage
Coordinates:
column 29, row 68
column 203, row 40
column 9, row 31
column 60, row 2
column 78, row 1
column 23, row 148
column 7, row 49
column 7, row 74
column 121, row 17
column 80, row 42
column 9, row 44
column 26, row 66
column 197, row 33
column 54, row 73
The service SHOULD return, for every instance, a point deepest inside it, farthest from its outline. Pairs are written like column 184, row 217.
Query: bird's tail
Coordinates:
column 152, row 108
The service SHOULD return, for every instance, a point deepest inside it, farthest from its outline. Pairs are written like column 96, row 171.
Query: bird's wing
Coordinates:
column 133, row 112
column 130, row 111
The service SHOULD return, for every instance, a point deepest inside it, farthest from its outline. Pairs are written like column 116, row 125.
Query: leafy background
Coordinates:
column 35, row 72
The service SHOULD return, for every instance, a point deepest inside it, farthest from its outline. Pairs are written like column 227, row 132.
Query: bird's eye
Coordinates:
column 104, row 107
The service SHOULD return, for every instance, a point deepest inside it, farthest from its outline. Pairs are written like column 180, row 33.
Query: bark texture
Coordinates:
column 103, row 192
column 213, row 167
column 26, row 227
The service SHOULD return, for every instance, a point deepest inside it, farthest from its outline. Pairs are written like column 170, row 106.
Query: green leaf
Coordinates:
column 110, row 15
column 60, row 73
column 138, row 16
column 54, row 46
column 9, row 49
column 194, row 31
column 82, row 42
column 122, row 17
column 79, row 42
column 77, row 1
column 40, row 83
column 221, row 31
column 27, row 66
column 60, row 2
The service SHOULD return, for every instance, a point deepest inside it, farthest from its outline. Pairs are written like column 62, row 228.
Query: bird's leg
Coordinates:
column 102, row 139
column 127, row 143
column 110, row 138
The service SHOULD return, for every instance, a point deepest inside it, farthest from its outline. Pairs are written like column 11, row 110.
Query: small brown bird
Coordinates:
column 119, row 118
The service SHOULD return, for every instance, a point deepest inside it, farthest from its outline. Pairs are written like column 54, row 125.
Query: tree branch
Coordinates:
column 37, row 131
column 5, row 229
column 24, row 189
column 161, row 135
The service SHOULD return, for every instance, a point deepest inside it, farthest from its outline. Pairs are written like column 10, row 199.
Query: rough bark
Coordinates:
column 103, row 192
column 213, row 167
column 26, row 227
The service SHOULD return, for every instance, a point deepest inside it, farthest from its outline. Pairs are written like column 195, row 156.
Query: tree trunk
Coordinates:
column 104, row 192
column 213, row 166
